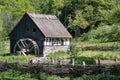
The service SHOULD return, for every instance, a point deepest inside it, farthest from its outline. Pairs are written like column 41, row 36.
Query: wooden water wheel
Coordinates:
column 26, row 46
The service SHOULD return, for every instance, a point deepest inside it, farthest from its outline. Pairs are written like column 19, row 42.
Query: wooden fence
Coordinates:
column 61, row 70
column 67, row 61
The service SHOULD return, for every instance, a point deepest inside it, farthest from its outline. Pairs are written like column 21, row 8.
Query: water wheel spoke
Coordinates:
column 19, row 46
column 25, row 43
column 30, row 44
column 31, row 48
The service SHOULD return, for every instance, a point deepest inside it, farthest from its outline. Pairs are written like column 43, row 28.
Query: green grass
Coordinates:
column 18, row 58
column 84, row 44
column 104, row 55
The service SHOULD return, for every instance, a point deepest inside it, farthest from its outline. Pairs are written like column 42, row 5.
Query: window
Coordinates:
column 34, row 29
column 56, row 42
column 27, row 29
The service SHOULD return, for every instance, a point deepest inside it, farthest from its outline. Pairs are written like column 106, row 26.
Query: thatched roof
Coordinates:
column 50, row 25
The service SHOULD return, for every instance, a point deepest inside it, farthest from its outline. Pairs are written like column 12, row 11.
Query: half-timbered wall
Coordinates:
column 56, row 41
column 52, row 45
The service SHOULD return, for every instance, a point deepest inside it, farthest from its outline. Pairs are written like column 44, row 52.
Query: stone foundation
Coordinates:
column 53, row 49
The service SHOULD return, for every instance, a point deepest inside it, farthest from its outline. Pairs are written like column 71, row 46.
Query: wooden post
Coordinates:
column 84, row 64
column 73, row 61
column 116, row 60
column 108, row 75
column 5, row 60
column 71, row 77
column 99, row 63
column 71, row 74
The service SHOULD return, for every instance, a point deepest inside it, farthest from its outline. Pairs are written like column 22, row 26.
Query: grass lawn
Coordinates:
column 6, row 57
column 104, row 55
column 84, row 44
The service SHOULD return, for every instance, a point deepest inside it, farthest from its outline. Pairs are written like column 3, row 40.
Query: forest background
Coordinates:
column 88, row 20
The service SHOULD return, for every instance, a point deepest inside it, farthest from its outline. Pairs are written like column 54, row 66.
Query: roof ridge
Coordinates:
column 42, row 16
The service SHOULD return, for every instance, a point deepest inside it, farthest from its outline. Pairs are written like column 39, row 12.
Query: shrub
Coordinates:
column 43, row 76
column 102, row 34
column 58, row 54
column 88, row 60
column 104, row 55
column 15, row 75
column 114, row 34
column 102, row 76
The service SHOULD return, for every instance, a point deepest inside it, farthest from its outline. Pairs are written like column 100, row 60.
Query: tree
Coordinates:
column 90, row 13
column 1, row 22
column 51, row 6
column 12, row 11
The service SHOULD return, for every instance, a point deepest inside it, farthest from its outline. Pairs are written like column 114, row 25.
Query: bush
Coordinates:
column 43, row 76
column 58, row 54
column 102, row 34
column 114, row 34
column 102, row 76
column 104, row 55
column 87, row 60
column 15, row 75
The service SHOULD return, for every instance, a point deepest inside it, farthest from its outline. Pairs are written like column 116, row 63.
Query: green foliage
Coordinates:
column 114, row 34
column 3, row 42
column 87, row 60
column 73, row 13
column 103, row 34
column 102, row 76
column 58, row 54
column 73, row 52
column 17, row 75
column 1, row 23
column 82, row 55
column 104, row 55
column 11, row 14
column 92, row 77
column 114, row 17
column 79, row 21
column 44, row 76
column 91, row 13
column 51, row 6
